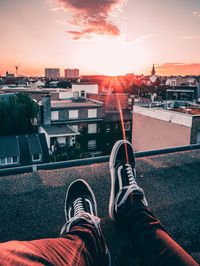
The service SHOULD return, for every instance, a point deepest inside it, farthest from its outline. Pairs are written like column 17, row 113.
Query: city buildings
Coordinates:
column 53, row 73
column 71, row 73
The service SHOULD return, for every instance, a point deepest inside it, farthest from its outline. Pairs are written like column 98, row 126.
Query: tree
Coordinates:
column 16, row 115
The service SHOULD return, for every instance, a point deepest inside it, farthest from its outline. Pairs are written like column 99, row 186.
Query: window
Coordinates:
column 82, row 94
column 3, row 160
column 36, row 157
column 92, row 144
column 9, row 159
column 198, row 137
column 127, row 126
column 54, row 115
column 107, row 128
column 92, row 128
column 73, row 114
column 61, row 140
column 92, row 113
column 14, row 159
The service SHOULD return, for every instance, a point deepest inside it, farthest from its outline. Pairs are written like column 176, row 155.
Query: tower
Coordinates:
column 153, row 72
column 16, row 67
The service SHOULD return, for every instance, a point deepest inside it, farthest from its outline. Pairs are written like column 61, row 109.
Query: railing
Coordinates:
column 88, row 161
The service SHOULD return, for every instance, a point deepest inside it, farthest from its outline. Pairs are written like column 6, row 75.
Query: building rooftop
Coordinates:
column 58, row 130
column 74, row 103
column 190, row 111
column 9, row 146
column 34, row 144
column 32, row 204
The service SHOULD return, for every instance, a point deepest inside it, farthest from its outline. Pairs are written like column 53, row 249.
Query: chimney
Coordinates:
column 46, row 102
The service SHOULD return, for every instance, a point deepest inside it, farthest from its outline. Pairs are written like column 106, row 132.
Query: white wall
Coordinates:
column 65, row 95
column 88, row 88
column 165, row 115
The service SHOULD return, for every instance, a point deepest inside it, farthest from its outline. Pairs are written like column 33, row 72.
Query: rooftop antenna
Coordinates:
column 17, row 67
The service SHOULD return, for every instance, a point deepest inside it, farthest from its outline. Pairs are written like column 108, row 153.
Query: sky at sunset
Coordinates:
column 111, row 37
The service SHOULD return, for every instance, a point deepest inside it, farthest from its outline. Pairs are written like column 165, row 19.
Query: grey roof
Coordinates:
column 170, row 181
column 9, row 146
column 34, row 144
column 60, row 130
column 69, row 103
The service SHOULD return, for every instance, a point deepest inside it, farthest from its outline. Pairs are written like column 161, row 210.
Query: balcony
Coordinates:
column 32, row 203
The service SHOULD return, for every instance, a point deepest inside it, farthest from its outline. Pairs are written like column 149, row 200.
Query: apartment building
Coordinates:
column 117, row 118
column 63, row 121
column 71, row 73
column 52, row 73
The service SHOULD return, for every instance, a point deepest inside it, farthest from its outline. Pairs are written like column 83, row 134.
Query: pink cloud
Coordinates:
column 92, row 16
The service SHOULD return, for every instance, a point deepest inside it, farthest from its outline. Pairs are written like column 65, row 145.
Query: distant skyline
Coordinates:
column 110, row 37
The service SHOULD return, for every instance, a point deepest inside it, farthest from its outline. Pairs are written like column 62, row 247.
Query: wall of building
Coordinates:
column 112, row 101
column 151, row 133
column 88, row 88
column 52, row 72
column 178, row 118
column 63, row 114
column 195, row 132
column 46, row 101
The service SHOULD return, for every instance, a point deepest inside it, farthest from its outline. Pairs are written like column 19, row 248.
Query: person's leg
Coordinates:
column 81, row 241
column 128, row 207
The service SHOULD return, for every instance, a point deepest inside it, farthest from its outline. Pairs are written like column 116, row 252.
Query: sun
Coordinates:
column 113, row 56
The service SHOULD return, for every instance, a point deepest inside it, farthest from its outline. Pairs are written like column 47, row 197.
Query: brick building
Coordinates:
column 116, row 117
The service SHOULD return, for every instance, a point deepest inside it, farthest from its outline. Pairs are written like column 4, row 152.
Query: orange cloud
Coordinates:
column 178, row 69
column 92, row 16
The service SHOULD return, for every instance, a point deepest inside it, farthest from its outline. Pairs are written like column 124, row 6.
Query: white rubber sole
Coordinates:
column 112, row 173
column 89, row 188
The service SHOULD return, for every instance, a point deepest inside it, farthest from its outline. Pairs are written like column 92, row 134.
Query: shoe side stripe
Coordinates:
column 120, row 177
column 69, row 213
column 90, row 206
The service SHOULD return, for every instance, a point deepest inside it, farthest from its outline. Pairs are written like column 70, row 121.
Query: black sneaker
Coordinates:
column 80, row 205
column 123, row 175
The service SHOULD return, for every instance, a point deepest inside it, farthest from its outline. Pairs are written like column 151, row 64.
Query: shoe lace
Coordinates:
column 78, row 206
column 80, row 213
column 131, row 174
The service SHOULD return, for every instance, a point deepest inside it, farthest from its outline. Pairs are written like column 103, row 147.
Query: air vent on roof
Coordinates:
column 75, row 95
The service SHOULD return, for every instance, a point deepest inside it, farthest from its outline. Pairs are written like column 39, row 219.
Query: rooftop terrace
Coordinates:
column 32, row 204
column 71, row 103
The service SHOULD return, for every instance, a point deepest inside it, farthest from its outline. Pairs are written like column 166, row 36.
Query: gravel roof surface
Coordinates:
column 32, row 204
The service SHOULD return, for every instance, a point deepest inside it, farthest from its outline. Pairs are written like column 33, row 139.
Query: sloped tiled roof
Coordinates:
column 9, row 146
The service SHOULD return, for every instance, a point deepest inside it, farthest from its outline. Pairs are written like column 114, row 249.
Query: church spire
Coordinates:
column 153, row 72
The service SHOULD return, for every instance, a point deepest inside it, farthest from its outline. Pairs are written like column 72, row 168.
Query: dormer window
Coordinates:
column 36, row 157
